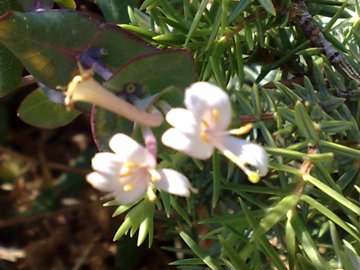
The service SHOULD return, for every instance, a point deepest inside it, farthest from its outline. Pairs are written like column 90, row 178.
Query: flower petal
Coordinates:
column 135, row 190
column 173, row 182
column 183, row 120
column 203, row 97
column 128, row 149
column 102, row 182
column 193, row 146
column 248, row 152
column 107, row 163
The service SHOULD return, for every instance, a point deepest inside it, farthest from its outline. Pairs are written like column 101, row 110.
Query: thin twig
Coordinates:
column 245, row 119
column 49, row 164
column 86, row 253
column 301, row 16
column 40, row 216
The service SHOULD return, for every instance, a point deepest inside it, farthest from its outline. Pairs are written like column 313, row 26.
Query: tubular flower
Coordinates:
column 202, row 127
column 127, row 173
column 84, row 88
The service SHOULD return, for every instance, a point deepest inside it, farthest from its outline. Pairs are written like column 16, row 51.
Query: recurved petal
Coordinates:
column 191, row 145
column 203, row 97
column 129, row 150
column 134, row 190
column 183, row 120
column 106, row 163
column 173, row 182
column 248, row 152
column 102, row 182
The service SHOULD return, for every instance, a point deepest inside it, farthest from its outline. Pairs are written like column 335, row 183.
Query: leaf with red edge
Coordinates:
column 120, row 45
column 156, row 71
column 48, row 42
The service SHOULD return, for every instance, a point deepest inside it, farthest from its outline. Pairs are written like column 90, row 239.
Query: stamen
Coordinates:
column 204, row 124
column 127, row 169
column 131, row 165
column 125, row 173
column 203, row 127
column 71, row 88
column 204, row 137
column 128, row 187
column 215, row 115
column 155, row 176
column 253, row 177
column 242, row 130
column 151, row 194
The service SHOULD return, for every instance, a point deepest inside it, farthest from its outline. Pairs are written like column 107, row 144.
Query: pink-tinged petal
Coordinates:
column 173, row 182
column 202, row 98
column 192, row 146
column 106, row 163
column 134, row 190
column 102, row 182
column 129, row 150
column 183, row 120
column 248, row 152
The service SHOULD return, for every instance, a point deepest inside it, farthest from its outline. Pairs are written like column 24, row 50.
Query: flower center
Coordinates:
column 208, row 123
column 128, row 168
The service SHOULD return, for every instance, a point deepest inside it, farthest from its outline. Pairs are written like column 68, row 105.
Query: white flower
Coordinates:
column 203, row 126
column 85, row 89
column 127, row 172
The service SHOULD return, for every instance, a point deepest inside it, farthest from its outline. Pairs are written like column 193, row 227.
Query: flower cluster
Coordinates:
column 130, row 171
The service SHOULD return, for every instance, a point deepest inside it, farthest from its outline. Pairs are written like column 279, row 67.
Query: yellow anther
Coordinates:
column 204, row 124
column 155, row 176
column 253, row 177
column 131, row 165
column 128, row 187
column 242, row 130
column 203, row 136
column 215, row 115
column 127, row 169
column 125, row 172
column 151, row 194
column 203, row 127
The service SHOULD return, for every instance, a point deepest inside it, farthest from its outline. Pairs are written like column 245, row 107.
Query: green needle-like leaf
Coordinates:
column 200, row 253
column 276, row 213
column 196, row 20
column 304, row 123
column 333, row 194
column 268, row 6
column 331, row 215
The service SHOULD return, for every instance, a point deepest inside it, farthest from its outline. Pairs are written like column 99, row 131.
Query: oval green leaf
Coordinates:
column 37, row 110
